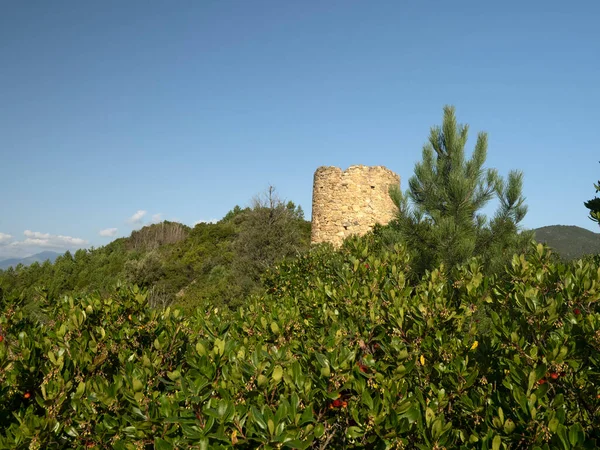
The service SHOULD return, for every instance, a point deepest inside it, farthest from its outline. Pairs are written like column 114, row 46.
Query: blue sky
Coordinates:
column 184, row 109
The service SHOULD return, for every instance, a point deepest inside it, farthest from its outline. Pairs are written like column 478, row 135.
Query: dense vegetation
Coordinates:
column 442, row 330
column 341, row 351
column 216, row 262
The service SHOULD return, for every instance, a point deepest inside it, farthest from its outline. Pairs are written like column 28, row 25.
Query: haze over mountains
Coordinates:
column 38, row 257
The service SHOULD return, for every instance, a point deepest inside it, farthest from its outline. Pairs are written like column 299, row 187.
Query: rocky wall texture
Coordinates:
column 351, row 201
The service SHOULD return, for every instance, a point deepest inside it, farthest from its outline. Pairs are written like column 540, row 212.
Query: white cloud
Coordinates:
column 36, row 234
column 4, row 238
column 156, row 218
column 35, row 238
column 108, row 232
column 136, row 219
column 206, row 221
column 36, row 241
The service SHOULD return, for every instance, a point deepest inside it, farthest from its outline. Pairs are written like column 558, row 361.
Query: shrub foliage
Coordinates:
column 594, row 205
column 341, row 351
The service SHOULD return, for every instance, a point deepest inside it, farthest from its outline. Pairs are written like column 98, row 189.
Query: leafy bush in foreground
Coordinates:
column 341, row 352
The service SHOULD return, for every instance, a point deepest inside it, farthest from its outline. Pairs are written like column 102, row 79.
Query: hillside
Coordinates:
column 570, row 242
column 38, row 257
column 218, row 262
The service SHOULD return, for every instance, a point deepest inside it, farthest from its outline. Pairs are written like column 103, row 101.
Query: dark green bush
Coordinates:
column 340, row 352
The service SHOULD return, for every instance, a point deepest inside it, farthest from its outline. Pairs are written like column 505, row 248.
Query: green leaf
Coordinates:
column 271, row 426
column 429, row 415
column 562, row 434
column 219, row 347
column 174, row 376
column 307, row 416
column 496, row 443
column 319, row 430
column 540, row 371
column 412, row 414
column 80, row 390
column 261, row 380
column 277, row 373
column 161, row 444
column 258, row 418
column 137, row 385
column 509, row 426
column 354, row 432
column 532, row 380
column 201, row 349
column 553, row 424
column 71, row 431
column 576, row 435
column 437, row 428
column 367, row 400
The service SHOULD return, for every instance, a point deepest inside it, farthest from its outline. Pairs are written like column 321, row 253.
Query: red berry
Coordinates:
column 577, row 311
column 337, row 403
column 362, row 367
column 554, row 376
column 27, row 395
column 542, row 381
column 1, row 338
column 367, row 266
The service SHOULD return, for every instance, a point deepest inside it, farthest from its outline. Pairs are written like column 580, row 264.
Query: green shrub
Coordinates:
column 342, row 351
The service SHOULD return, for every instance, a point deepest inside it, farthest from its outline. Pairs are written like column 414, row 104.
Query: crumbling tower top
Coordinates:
column 351, row 201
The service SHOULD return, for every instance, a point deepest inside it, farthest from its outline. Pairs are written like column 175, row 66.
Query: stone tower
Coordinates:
column 350, row 201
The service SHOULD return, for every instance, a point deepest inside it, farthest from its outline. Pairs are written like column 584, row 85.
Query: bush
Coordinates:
column 342, row 351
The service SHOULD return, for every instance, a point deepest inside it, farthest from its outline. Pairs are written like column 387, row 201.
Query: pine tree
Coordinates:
column 440, row 217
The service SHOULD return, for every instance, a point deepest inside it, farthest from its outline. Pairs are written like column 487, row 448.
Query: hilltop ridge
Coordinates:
column 569, row 241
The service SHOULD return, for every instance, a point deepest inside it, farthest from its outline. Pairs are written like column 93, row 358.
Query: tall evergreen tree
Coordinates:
column 439, row 216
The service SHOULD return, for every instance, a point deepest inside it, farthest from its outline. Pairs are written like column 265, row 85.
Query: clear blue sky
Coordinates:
column 187, row 108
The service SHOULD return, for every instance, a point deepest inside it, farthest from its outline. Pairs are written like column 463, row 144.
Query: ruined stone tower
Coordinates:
column 350, row 201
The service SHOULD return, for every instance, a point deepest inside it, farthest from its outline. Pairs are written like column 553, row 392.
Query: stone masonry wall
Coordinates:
column 350, row 201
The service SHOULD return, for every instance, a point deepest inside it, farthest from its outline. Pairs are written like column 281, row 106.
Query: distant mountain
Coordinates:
column 570, row 242
column 38, row 257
